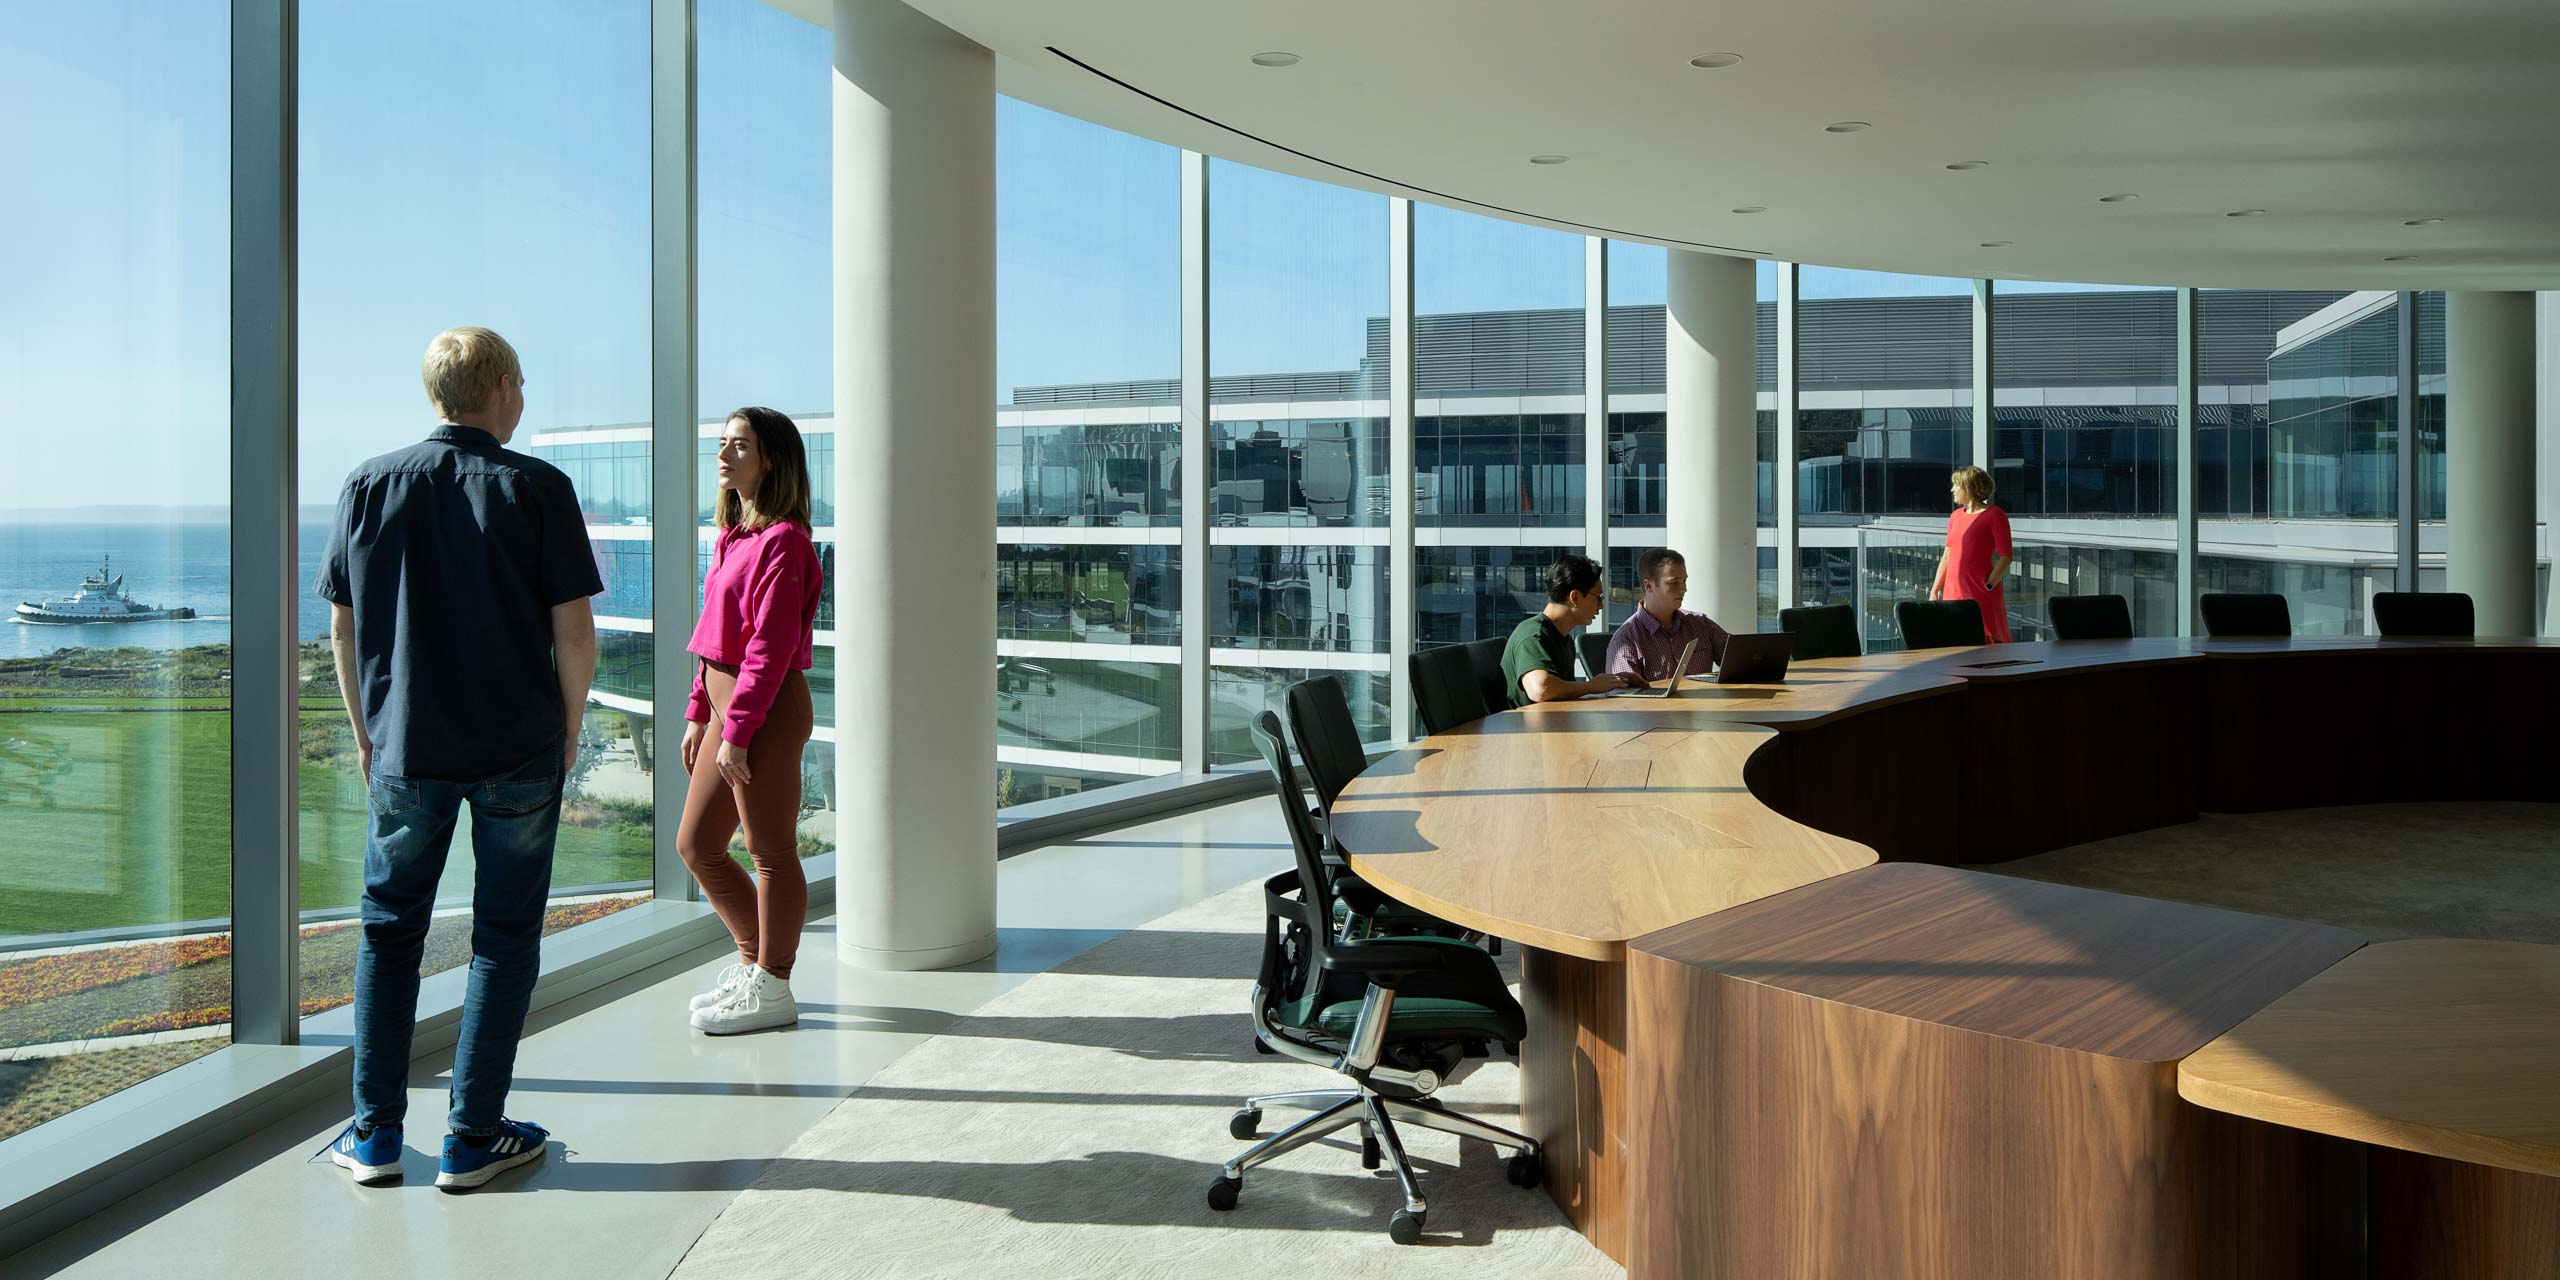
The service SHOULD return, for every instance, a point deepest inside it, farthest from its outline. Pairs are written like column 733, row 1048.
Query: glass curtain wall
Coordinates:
column 1298, row 497
column 1498, row 339
column 115, row 736
column 1884, row 378
column 1088, row 456
column 557, row 260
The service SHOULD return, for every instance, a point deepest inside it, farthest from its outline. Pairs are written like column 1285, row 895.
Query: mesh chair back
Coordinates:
column 2245, row 614
column 1595, row 652
column 1487, row 657
column 1315, row 888
column 2422, row 613
column 1328, row 739
column 1292, row 964
column 1822, row 631
column 2090, row 618
column 1445, row 691
column 1939, row 624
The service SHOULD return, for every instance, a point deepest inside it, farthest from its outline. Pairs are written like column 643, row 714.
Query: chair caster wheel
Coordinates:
column 1405, row 1227
column 1222, row 1193
column 1264, row 1049
column 1244, row 1124
column 1369, row 1158
column 1524, row 1169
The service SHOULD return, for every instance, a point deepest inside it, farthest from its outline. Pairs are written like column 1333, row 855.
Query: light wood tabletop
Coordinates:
column 1576, row 835
column 2444, row 1047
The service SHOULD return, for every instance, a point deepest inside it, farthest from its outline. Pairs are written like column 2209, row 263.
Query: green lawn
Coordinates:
column 123, row 817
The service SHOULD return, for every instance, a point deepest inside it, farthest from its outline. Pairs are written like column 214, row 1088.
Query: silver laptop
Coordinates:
column 1665, row 691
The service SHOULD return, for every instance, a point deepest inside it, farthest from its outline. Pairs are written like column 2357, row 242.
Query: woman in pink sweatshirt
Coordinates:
column 759, row 608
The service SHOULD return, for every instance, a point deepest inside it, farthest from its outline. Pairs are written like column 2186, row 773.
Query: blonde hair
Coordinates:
column 1976, row 482
column 463, row 368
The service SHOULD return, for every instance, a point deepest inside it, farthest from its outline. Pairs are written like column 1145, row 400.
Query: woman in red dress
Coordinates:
column 1975, row 565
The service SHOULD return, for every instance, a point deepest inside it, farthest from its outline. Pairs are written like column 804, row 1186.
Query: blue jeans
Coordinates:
column 514, row 818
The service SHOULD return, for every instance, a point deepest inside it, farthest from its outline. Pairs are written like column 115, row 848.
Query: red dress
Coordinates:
column 1974, row 539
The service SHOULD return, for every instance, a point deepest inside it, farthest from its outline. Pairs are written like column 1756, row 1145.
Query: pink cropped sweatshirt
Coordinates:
column 759, row 610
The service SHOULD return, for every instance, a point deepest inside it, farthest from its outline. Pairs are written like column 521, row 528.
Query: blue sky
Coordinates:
column 486, row 162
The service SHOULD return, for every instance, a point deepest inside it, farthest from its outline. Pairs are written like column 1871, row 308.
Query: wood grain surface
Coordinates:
column 1573, row 1090
column 2444, row 1047
column 2433, row 1219
column 1916, row 1071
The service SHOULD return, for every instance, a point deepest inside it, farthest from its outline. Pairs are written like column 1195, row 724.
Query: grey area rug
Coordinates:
column 1071, row 1126
column 2486, row 870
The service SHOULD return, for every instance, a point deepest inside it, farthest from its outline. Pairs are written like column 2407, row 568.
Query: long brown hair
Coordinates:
column 784, row 494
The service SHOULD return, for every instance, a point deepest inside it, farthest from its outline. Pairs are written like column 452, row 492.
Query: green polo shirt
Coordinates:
column 1535, row 645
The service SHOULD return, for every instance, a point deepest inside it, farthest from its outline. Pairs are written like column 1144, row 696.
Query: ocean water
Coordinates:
column 164, row 565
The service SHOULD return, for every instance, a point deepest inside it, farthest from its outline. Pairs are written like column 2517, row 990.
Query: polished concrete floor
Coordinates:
column 655, row 1127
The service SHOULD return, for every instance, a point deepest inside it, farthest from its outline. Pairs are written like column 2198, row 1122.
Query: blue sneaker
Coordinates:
column 466, row 1166
column 373, row 1157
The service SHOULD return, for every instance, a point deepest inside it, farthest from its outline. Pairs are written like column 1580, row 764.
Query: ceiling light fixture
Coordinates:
column 1275, row 59
column 1549, row 159
column 1753, row 208
column 1848, row 126
column 1968, row 166
column 2244, row 213
column 1714, row 61
column 1997, row 244
column 2421, row 222
column 2121, row 198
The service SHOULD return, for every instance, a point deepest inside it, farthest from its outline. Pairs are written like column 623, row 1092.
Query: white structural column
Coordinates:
column 2488, row 457
column 915, row 486
column 1710, row 438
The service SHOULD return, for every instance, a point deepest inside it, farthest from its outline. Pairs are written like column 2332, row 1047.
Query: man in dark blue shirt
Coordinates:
column 458, row 578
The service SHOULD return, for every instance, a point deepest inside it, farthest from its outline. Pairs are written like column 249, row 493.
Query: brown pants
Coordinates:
column 766, row 924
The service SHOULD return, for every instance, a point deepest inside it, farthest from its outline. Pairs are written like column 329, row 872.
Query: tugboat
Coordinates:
column 101, row 598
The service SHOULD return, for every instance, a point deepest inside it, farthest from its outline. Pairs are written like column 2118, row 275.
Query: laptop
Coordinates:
column 1756, row 658
column 1665, row 691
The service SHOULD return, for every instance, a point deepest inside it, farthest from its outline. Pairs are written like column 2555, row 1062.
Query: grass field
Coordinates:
column 111, row 818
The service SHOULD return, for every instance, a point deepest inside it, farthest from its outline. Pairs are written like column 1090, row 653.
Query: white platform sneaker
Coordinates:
column 721, row 987
column 759, row 1002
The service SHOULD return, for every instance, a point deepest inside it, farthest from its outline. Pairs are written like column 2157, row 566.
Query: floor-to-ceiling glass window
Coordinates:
column 1635, row 482
column 115, row 724
column 1088, row 456
column 1884, row 412
column 2322, row 456
column 2084, row 391
column 764, row 247
column 517, row 198
column 1498, row 339
column 1298, row 483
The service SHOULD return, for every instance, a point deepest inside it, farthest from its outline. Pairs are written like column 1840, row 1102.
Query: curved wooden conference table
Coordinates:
column 1741, row 827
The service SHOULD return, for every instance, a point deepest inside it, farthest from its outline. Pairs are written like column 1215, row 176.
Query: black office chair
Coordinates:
column 1938, row 624
column 1822, row 630
column 1329, row 745
column 1595, row 652
column 1446, row 693
column 2422, row 613
column 1487, row 657
column 2234, row 613
column 1392, row 1014
column 2090, row 618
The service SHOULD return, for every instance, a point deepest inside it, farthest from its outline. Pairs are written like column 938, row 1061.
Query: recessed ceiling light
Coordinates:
column 2402, row 257
column 1549, row 159
column 2244, row 213
column 1714, row 61
column 2121, row 198
column 1997, row 244
column 1848, row 126
column 1275, row 59
column 2421, row 222
column 1968, row 166
column 1753, row 208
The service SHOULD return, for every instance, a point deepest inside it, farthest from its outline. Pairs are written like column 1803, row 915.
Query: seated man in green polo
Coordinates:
column 1537, row 663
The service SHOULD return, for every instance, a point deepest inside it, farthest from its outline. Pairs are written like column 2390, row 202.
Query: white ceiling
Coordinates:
column 2340, row 118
